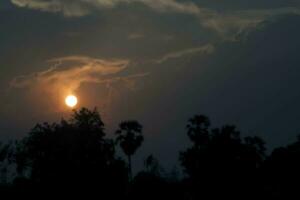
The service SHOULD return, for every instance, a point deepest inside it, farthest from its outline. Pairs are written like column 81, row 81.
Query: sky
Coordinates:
column 157, row 61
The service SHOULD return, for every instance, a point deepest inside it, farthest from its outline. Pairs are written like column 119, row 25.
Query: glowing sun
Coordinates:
column 71, row 101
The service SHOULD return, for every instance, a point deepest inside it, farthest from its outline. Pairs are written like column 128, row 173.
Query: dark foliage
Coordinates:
column 220, row 160
column 74, row 158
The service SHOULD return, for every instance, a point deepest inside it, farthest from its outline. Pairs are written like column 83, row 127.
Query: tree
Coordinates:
column 282, row 172
column 130, row 138
column 198, row 129
column 73, row 153
column 218, row 155
column 152, row 166
column 4, row 154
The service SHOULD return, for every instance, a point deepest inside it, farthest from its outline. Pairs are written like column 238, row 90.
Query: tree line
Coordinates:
column 75, row 157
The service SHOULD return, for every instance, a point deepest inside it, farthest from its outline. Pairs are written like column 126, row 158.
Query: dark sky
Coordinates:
column 158, row 61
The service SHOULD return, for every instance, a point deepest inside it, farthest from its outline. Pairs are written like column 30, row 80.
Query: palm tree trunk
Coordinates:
column 129, row 168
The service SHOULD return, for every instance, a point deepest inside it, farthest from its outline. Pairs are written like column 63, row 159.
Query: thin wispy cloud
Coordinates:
column 206, row 49
column 68, row 74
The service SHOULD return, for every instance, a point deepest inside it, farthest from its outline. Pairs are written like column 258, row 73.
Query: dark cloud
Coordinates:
column 226, row 24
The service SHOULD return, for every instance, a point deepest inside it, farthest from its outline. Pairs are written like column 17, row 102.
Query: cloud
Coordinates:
column 171, row 6
column 77, row 8
column 206, row 49
column 69, row 73
column 68, row 8
column 231, row 25
column 228, row 25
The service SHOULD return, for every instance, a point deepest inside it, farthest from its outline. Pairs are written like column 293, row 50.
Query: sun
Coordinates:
column 71, row 101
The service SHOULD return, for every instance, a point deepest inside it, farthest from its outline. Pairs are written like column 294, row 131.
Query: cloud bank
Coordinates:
column 77, row 8
column 228, row 25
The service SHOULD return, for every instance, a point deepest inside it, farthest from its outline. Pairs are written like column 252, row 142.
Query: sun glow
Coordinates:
column 71, row 101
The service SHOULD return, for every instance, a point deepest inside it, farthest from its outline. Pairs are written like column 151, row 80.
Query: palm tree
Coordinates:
column 130, row 138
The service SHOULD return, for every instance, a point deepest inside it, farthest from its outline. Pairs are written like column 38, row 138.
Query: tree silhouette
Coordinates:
column 75, row 157
column 152, row 166
column 218, row 155
column 198, row 129
column 130, row 138
column 4, row 150
column 4, row 155
column 73, row 153
column 282, row 172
